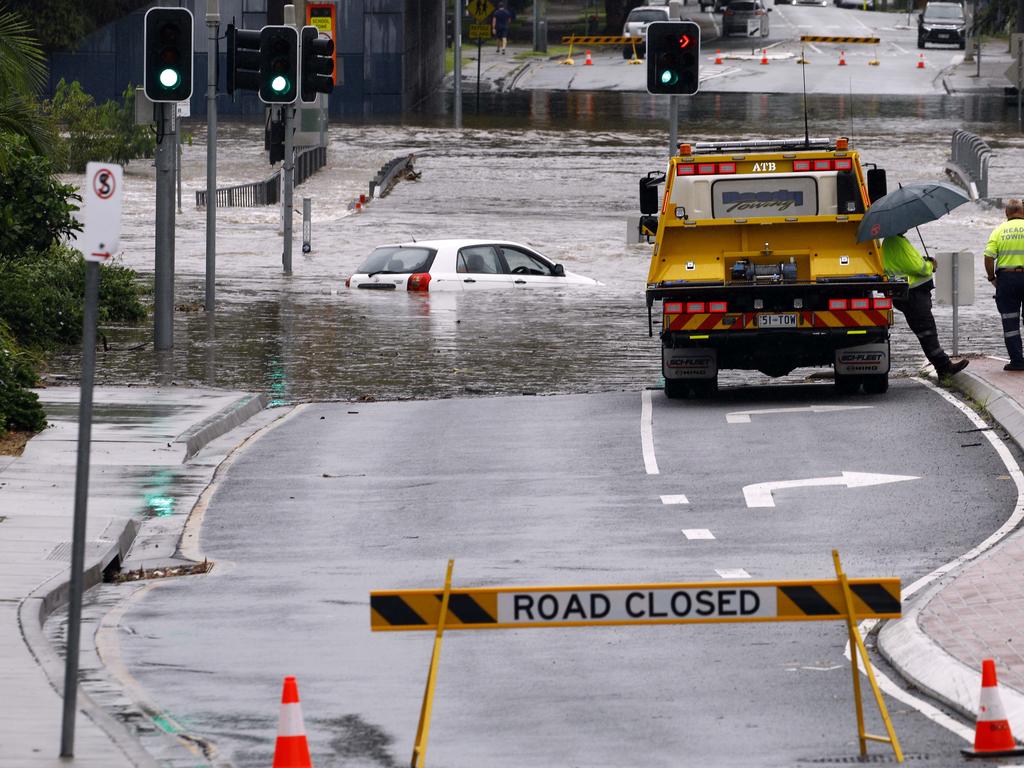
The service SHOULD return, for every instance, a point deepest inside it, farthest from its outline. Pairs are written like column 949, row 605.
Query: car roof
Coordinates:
column 454, row 243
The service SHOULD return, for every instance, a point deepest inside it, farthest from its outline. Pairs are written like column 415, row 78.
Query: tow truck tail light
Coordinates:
column 673, row 307
column 860, row 303
column 836, row 304
column 822, row 165
column 686, row 169
column 694, row 307
column 885, row 303
column 801, row 165
column 705, row 168
column 419, row 281
column 718, row 306
column 844, row 164
column 727, row 167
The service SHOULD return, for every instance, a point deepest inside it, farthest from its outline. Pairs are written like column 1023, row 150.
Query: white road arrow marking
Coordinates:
column 743, row 417
column 760, row 494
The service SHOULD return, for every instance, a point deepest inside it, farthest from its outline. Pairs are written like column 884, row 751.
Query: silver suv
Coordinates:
column 942, row 23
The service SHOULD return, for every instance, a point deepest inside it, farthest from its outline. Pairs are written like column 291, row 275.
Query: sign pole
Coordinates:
column 213, row 25
column 956, row 302
column 479, row 54
column 163, row 295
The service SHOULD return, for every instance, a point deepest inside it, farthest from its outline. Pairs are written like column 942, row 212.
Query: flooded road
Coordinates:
column 558, row 171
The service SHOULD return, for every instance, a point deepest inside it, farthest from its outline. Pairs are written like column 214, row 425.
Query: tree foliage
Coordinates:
column 61, row 24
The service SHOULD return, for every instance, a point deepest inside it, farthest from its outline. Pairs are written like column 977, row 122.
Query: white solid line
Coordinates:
column 743, row 417
column 814, row 48
column 676, row 498
column 899, row 48
column 647, row 433
column 698, row 533
column 1000, row 359
column 732, row 573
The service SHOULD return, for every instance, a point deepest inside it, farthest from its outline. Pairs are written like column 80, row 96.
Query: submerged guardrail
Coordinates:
column 268, row 191
column 968, row 163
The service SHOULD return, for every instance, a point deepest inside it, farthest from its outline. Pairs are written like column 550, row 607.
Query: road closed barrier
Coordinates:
column 841, row 599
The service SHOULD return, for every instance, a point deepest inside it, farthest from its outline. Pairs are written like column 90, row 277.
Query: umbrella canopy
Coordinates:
column 907, row 207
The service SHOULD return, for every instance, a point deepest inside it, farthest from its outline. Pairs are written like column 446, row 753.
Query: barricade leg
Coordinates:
column 419, row 748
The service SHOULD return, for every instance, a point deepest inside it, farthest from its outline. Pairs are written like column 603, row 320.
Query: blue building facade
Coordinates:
column 390, row 55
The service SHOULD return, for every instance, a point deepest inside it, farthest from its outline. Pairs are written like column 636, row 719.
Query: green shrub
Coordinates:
column 19, row 408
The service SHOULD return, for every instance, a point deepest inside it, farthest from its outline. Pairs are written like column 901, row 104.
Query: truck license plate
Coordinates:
column 782, row 320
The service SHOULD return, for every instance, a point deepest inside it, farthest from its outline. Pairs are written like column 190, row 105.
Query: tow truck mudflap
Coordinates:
column 693, row 363
column 866, row 359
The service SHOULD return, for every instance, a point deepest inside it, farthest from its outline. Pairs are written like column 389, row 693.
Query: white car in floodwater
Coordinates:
column 460, row 265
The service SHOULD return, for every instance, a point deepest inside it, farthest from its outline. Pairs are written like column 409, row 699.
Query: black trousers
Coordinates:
column 1009, row 297
column 917, row 309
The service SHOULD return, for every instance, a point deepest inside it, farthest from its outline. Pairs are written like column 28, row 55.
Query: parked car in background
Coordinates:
column 740, row 16
column 812, row 2
column 460, row 265
column 862, row 4
column 636, row 26
column 942, row 23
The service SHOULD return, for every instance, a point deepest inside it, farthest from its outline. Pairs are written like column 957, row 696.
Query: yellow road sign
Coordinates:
column 480, row 9
column 692, row 603
column 479, row 31
column 601, row 40
column 831, row 39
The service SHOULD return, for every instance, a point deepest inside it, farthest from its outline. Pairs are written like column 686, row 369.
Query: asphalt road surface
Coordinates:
column 340, row 499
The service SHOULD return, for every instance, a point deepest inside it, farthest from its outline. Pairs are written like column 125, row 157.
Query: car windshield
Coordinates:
column 944, row 12
column 397, row 259
column 645, row 14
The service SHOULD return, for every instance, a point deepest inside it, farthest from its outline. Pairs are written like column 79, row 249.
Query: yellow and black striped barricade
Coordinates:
column 843, row 39
column 574, row 40
column 839, row 599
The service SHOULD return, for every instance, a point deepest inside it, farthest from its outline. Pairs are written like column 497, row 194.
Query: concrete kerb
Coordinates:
column 904, row 644
column 221, row 423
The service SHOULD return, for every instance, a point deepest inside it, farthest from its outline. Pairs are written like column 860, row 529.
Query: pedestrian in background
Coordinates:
column 499, row 26
column 1004, row 264
column 903, row 260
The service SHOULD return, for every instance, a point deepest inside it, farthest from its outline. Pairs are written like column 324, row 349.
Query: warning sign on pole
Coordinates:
column 511, row 608
column 101, row 236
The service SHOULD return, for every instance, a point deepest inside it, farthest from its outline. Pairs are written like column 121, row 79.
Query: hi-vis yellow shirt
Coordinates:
column 903, row 260
column 1006, row 244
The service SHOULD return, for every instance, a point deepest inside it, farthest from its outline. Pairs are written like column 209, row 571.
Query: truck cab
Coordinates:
column 756, row 264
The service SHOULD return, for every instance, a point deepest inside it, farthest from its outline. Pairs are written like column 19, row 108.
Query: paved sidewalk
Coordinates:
column 977, row 611
column 139, row 480
column 985, row 77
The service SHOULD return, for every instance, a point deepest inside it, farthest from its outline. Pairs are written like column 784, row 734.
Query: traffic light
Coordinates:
column 673, row 57
column 243, row 59
column 167, row 73
column 279, row 65
column 317, row 69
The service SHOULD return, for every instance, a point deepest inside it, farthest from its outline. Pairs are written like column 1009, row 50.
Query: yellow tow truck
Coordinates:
column 757, row 266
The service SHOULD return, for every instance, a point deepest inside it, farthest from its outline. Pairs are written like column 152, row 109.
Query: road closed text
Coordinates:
column 639, row 605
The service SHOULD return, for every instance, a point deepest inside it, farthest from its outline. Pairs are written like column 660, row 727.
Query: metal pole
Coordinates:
column 213, row 25
column 287, row 191
column 956, row 303
column 536, row 26
column 163, row 295
column 1020, row 81
column 307, row 224
column 457, row 74
column 67, row 736
column 969, row 42
column 673, row 125
column 479, row 55
column 177, row 160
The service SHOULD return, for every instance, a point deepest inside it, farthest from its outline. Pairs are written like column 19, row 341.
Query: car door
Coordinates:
column 480, row 267
column 529, row 269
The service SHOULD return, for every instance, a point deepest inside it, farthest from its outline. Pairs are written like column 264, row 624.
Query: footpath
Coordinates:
column 153, row 452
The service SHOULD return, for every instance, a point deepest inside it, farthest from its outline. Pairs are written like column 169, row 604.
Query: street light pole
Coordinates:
column 213, row 24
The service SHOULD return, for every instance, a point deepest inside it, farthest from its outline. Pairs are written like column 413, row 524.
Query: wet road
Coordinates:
column 341, row 499
column 521, row 174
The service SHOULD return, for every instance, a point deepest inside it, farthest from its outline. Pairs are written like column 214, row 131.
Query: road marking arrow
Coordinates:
column 760, row 494
column 743, row 417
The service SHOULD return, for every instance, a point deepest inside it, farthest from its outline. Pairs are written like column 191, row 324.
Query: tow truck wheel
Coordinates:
column 876, row 384
column 676, row 389
column 848, row 385
column 704, row 387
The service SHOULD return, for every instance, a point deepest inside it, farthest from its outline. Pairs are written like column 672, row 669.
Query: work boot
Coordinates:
column 951, row 368
column 1012, row 366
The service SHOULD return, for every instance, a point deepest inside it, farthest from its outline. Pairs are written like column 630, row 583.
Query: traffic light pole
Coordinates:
column 673, row 125
column 213, row 25
column 163, row 297
column 286, row 182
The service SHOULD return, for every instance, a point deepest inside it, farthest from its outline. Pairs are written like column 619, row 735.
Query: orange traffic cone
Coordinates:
column 842, row 58
column 718, row 56
column 920, row 61
column 764, row 56
column 589, row 62
column 992, row 735
column 292, row 749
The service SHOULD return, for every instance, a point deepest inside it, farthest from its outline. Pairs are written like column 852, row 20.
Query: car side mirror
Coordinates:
column 877, row 187
column 558, row 270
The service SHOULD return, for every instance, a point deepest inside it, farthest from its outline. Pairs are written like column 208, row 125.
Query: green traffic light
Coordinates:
column 169, row 78
column 669, row 77
column 280, row 84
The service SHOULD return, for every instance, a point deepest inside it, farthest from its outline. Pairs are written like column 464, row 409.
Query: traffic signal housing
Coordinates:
column 316, row 71
column 243, row 59
column 279, row 64
column 673, row 57
column 167, row 72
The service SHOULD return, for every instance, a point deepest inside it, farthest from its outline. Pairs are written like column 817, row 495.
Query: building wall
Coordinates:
column 390, row 54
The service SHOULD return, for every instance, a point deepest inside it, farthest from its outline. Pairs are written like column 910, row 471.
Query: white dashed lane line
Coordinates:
column 698, row 533
column 676, row 498
column 732, row 573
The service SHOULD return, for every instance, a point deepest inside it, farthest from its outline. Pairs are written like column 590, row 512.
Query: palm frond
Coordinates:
column 22, row 63
column 20, row 116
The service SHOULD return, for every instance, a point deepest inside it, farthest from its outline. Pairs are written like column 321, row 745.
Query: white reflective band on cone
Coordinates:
column 990, row 705
column 290, row 722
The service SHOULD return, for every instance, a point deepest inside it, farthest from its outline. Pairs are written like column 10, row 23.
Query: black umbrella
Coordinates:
column 908, row 207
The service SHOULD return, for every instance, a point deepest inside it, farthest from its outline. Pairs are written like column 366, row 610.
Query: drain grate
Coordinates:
column 63, row 550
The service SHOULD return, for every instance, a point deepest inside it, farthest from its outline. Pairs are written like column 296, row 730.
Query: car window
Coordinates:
column 950, row 12
column 479, row 259
column 397, row 259
column 645, row 14
column 520, row 262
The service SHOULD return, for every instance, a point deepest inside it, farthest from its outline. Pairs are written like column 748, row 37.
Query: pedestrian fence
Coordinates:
column 268, row 191
column 968, row 163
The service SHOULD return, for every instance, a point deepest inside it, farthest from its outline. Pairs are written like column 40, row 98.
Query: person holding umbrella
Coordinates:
column 890, row 217
column 1004, row 263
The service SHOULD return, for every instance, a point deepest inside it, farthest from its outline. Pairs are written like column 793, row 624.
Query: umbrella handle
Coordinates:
column 918, row 230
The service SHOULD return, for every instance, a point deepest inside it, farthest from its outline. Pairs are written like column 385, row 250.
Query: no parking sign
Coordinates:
column 104, row 187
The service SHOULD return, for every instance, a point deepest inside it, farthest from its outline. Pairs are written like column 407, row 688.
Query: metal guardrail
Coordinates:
column 968, row 163
column 387, row 176
column 268, row 191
